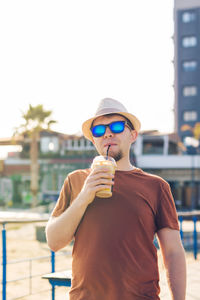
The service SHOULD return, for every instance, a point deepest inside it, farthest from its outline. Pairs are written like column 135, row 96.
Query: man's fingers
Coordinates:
column 98, row 181
column 100, row 175
column 101, row 187
column 99, row 170
column 103, row 181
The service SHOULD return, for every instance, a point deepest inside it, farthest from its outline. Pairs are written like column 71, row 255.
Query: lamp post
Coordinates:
column 191, row 145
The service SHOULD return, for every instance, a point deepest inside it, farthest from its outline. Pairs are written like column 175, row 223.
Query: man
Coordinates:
column 114, row 257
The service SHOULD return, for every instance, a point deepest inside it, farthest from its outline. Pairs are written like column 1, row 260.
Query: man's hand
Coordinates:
column 100, row 178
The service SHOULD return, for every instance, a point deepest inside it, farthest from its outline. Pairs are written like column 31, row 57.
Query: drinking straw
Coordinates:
column 107, row 151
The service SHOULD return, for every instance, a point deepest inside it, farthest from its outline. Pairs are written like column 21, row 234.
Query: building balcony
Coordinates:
column 168, row 161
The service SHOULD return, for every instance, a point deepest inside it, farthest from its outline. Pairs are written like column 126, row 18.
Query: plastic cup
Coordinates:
column 109, row 163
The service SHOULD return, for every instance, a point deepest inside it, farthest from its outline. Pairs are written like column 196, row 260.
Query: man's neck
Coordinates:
column 124, row 165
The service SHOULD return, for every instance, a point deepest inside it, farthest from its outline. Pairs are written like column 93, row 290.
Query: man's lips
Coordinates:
column 110, row 144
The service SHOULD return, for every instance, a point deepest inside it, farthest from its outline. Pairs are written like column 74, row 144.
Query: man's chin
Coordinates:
column 117, row 155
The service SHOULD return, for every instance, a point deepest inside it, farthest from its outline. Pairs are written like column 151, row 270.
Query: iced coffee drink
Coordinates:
column 110, row 164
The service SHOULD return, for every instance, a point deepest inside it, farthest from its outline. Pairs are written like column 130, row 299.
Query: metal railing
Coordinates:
column 51, row 257
column 191, row 238
column 193, row 243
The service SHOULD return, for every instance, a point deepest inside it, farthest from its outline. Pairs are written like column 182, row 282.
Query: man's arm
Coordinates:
column 174, row 261
column 60, row 230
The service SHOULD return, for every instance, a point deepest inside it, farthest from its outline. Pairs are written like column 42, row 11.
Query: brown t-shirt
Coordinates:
column 114, row 257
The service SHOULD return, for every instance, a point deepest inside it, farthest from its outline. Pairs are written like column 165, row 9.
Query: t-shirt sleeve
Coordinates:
column 166, row 215
column 64, row 199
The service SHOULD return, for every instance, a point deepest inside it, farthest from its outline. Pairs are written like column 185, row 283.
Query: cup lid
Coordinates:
column 104, row 158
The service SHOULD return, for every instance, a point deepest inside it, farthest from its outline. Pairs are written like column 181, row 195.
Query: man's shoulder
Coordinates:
column 75, row 181
column 80, row 173
column 153, row 178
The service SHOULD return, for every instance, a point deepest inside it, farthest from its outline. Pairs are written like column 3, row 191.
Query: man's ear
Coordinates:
column 134, row 135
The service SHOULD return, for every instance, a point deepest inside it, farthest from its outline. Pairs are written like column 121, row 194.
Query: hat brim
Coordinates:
column 88, row 123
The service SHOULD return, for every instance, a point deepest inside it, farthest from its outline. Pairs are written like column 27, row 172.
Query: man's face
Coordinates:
column 119, row 143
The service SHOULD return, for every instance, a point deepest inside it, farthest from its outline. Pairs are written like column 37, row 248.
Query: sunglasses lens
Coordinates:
column 117, row 127
column 98, row 130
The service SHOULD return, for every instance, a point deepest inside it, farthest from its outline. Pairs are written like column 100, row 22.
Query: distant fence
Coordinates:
column 190, row 240
column 5, row 263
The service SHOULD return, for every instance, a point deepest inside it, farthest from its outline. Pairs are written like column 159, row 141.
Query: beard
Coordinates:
column 117, row 156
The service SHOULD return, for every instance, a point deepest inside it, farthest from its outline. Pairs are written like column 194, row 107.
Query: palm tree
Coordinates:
column 36, row 119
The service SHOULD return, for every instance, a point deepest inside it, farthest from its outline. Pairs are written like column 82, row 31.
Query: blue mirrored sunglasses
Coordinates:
column 115, row 127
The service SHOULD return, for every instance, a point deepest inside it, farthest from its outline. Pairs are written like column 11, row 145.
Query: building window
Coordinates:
column 49, row 144
column 189, row 91
column 189, row 41
column 153, row 146
column 190, row 116
column 190, row 65
column 188, row 17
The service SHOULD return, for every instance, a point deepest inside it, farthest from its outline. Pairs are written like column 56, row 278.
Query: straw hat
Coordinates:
column 109, row 106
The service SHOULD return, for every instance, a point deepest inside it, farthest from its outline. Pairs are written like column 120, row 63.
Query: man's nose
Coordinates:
column 108, row 133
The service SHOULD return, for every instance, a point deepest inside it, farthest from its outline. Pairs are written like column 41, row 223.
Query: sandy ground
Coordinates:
column 22, row 245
